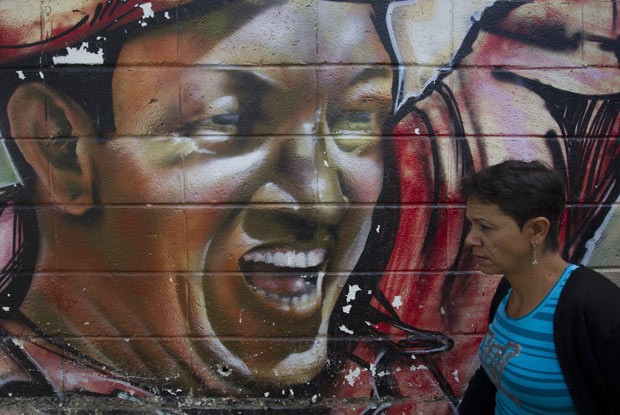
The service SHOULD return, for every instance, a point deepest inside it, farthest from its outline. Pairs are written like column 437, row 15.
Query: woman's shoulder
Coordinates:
column 588, row 280
column 591, row 293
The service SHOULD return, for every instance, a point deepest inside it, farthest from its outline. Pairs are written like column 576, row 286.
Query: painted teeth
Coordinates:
column 289, row 259
column 286, row 302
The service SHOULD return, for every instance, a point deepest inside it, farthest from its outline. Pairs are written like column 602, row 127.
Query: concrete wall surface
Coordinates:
column 253, row 206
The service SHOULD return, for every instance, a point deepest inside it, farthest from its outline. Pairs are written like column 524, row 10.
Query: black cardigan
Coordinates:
column 587, row 341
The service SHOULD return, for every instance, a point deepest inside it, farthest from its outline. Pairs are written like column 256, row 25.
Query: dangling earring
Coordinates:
column 534, row 259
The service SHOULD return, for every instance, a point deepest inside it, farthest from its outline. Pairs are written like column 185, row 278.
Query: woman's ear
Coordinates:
column 539, row 228
column 51, row 132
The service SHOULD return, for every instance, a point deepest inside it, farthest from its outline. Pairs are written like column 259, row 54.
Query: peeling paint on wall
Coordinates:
column 80, row 55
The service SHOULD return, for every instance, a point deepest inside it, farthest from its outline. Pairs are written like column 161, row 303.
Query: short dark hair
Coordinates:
column 521, row 189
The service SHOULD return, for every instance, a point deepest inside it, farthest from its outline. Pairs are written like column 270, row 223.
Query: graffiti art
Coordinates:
column 259, row 200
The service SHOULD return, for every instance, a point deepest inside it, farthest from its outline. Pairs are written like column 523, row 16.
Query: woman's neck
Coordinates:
column 531, row 286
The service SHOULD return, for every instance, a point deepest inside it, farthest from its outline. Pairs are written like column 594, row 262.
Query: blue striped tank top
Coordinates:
column 518, row 355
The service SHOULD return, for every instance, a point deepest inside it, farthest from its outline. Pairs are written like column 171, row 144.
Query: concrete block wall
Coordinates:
column 253, row 207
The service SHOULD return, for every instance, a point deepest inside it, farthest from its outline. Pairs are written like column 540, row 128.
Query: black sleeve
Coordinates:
column 610, row 367
column 614, row 367
column 479, row 398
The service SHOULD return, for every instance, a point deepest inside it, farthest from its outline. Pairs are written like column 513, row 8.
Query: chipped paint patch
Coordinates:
column 398, row 302
column 224, row 370
column 345, row 329
column 347, row 309
column 353, row 289
column 147, row 10
column 20, row 75
column 80, row 55
column 373, row 371
column 455, row 375
column 353, row 375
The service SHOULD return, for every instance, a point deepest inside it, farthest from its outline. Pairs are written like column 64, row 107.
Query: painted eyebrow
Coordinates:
column 369, row 73
column 258, row 78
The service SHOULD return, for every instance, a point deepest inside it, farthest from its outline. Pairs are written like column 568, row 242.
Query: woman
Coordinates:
column 553, row 345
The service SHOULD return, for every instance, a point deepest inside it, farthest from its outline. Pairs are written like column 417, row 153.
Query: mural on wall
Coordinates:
column 259, row 199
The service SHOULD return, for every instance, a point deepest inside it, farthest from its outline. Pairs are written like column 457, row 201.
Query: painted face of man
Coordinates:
column 246, row 177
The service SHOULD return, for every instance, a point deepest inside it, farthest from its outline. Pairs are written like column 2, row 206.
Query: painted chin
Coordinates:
column 286, row 280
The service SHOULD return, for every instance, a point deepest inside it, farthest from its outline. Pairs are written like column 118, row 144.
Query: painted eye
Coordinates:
column 226, row 119
column 220, row 124
column 222, row 116
column 354, row 123
column 355, row 131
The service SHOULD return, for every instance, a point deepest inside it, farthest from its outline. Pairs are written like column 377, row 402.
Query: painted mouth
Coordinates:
column 287, row 279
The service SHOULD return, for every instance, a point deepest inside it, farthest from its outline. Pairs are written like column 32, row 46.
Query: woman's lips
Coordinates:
column 287, row 279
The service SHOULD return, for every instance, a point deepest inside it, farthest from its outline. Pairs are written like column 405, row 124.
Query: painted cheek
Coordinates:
column 205, row 222
column 225, row 180
column 139, row 238
column 361, row 175
column 368, row 180
column 134, row 174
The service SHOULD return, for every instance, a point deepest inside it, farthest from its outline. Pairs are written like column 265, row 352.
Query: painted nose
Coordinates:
column 302, row 194
column 306, row 170
column 311, row 177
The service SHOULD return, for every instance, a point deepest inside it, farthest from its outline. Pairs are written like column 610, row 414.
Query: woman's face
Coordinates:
column 245, row 187
column 498, row 244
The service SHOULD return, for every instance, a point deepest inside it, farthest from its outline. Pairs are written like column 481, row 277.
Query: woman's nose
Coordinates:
column 471, row 239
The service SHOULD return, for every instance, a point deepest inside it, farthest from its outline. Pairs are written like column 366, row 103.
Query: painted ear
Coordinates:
column 51, row 132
